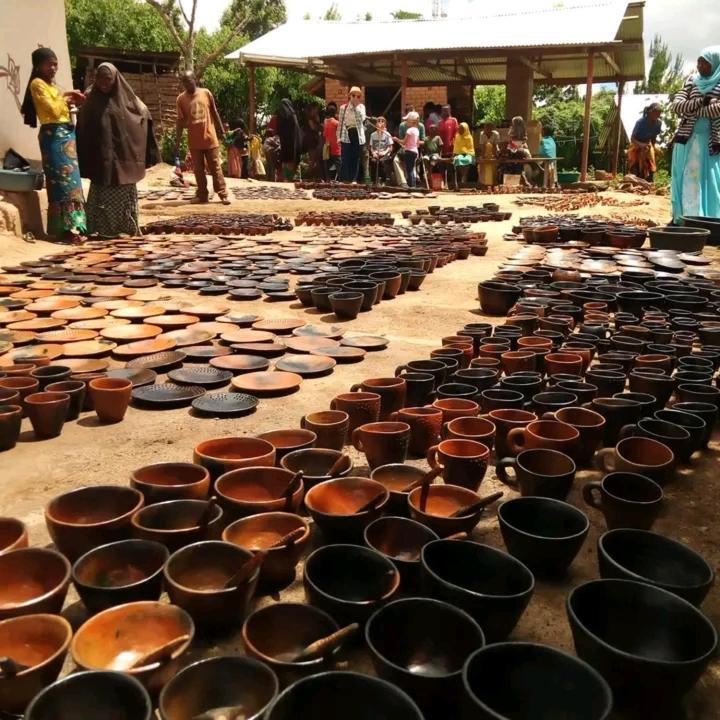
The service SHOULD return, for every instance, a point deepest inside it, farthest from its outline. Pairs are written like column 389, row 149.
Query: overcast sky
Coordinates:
column 686, row 25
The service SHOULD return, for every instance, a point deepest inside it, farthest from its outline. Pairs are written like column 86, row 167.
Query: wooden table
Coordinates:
column 498, row 162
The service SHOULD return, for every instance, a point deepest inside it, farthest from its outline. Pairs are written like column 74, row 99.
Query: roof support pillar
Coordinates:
column 403, row 85
column 586, row 122
column 251, row 98
column 618, row 129
column 519, row 86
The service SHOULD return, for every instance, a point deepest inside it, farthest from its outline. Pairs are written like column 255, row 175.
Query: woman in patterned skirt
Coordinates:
column 44, row 101
column 115, row 145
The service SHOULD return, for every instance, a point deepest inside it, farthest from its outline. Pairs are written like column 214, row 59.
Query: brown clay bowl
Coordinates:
column 277, row 633
column 218, row 682
column 195, row 578
column 82, row 519
column 287, row 441
column 221, row 455
column 34, row 580
column 253, row 490
column 120, row 572
column 334, row 505
column 261, row 532
column 119, row 637
column 13, row 534
column 315, row 464
column 171, row 481
column 176, row 523
column 38, row 641
column 443, row 501
column 395, row 477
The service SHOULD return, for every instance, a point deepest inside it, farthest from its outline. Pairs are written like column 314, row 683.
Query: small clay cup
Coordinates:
column 110, row 397
column 563, row 362
column 288, row 440
column 13, row 534
column 221, row 455
column 640, row 455
column 419, row 388
column 76, row 390
column 392, row 393
column 588, row 423
column 626, row 500
column 361, row 407
column 456, row 407
column 501, row 399
column 47, row 412
column 382, row 442
column 252, row 490
column 550, row 434
column 22, row 385
column 425, row 423
column 329, row 426
column 463, row 462
column 618, row 412
column 10, row 421
column 171, row 481
column 517, row 360
column 541, row 472
column 505, row 419
column 50, row 374
column 478, row 429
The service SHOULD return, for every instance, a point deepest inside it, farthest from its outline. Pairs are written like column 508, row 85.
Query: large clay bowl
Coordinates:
column 396, row 477
column 33, row 580
column 442, row 502
column 631, row 554
column 13, row 534
column 218, row 682
column 277, row 633
column 401, row 540
column 315, row 464
column 334, row 506
column 221, row 455
column 119, row 637
column 543, row 683
column 253, row 490
column 92, row 695
column 420, row 645
column 261, row 532
column 346, row 695
column 120, row 572
column 171, row 481
column 176, row 523
column 544, row 533
column 650, row 645
column 82, row 519
column 287, row 441
column 38, row 641
column 492, row 586
column 195, row 578
column 349, row 582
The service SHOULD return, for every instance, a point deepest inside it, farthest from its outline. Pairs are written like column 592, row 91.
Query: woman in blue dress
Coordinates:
column 696, row 145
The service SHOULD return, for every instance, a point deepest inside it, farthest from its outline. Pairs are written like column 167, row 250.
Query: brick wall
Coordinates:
column 336, row 91
column 417, row 96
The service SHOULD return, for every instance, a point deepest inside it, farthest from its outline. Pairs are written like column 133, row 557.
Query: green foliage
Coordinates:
column 332, row 13
column 368, row 16
column 545, row 94
column 406, row 15
column 490, row 103
column 263, row 15
column 666, row 70
column 167, row 146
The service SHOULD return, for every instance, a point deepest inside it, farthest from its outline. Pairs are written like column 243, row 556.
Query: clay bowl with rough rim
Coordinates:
column 119, row 637
column 176, row 523
column 396, row 477
column 442, row 501
column 39, row 642
column 221, row 455
column 315, row 464
column 241, row 683
column 252, row 490
column 171, row 481
column 13, row 534
column 92, row 695
column 261, row 532
column 34, row 580
column 277, row 633
column 288, row 440
column 196, row 577
column 84, row 518
column 334, row 504
column 120, row 572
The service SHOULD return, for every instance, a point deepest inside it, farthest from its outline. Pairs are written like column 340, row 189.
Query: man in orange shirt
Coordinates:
column 197, row 111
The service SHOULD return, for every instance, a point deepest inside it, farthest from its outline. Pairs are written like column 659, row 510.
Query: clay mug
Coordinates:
column 707, row 411
column 626, row 499
column 541, row 472
column 549, row 434
column 361, row 407
column 419, row 388
column 552, row 400
column 497, row 399
column 647, row 402
column 608, row 382
column 527, row 383
column 563, row 362
column 481, row 378
column 392, row 393
column 76, row 390
column 10, row 419
column 677, row 438
column 463, row 462
column 382, row 442
column 517, row 360
column 110, row 398
column 456, row 407
column 588, row 423
column 585, row 392
column 425, row 423
column 505, row 419
column 640, row 455
column 330, row 427
column 617, row 413
column 479, row 429
column 429, row 367
column 47, row 412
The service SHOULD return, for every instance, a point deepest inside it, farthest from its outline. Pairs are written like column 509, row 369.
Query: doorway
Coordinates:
column 377, row 99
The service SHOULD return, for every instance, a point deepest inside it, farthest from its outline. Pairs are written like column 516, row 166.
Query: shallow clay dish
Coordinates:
column 189, row 336
column 231, row 404
column 45, row 306
column 173, row 322
column 160, row 362
column 37, row 324
column 141, row 312
column 204, row 376
column 340, row 354
column 144, row 347
column 81, row 313
column 129, row 333
column 245, row 293
column 206, row 312
column 66, row 335
column 137, row 376
column 98, row 323
column 309, row 343
column 167, row 395
column 326, row 331
column 89, row 348
column 12, row 316
column 269, row 382
column 306, row 365
column 239, row 319
column 48, row 351
column 281, row 326
column 240, row 363
column 203, row 353
column 246, row 336
column 113, row 292
column 81, row 365
column 365, row 342
column 267, row 350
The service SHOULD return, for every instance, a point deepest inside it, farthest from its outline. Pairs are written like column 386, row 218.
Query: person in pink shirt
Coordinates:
column 331, row 151
column 447, row 129
column 411, row 145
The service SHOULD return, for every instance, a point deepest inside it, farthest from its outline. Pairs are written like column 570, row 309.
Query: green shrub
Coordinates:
column 167, row 146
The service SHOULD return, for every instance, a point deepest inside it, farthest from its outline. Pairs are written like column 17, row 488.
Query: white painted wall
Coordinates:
column 24, row 25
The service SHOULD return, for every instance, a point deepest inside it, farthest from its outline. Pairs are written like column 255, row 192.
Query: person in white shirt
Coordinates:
column 351, row 135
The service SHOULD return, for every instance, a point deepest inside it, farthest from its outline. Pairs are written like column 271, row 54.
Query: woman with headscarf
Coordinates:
column 641, row 153
column 115, row 145
column 288, row 130
column 695, row 187
column 44, row 101
column 463, row 151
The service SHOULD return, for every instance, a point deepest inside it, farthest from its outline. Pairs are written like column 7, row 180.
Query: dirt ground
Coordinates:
column 88, row 454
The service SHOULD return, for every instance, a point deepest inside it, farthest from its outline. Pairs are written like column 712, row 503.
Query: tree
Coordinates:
column 368, row 16
column 242, row 18
column 666, row 70
column 490, row 103
column 332, row 13
column 406, row 15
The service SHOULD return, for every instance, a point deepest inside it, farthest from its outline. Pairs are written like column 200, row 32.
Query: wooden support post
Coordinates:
column 586, row 123
column 618, row 130
column 403, row 86
column 251, row 98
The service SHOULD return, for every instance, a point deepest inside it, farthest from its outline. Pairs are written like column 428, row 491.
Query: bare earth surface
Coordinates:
column 89, row 454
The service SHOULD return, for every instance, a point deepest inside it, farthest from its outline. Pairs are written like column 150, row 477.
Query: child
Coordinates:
column 381, row 145
column 488, row 149
column 548, row 149
column 432, row 150
column 331, row 148
column 411, row 145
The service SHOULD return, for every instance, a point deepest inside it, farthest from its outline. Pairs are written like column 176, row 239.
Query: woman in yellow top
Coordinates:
column 46, row 102
column 463, row 151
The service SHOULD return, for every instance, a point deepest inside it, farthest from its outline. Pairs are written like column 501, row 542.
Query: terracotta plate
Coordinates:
column 206, row 312
column 138, row 313
column 45, row 306
column 37, row 325
column 17, row 354
column 17, row 337
column 688, row 258
column 166, row 395
column 82, row 365
column 214, row 327
column 110, row 305
column 98, row 323
column 89, row 348
column 269, row 382
column 366, row 342
column 203, row 353
column 240, row 363
column 246, row 336
column 144, row 347
column 67, row 335
column 239, row 319
column 245, row 293
column 325, row 331
column 340, row 353
column 80, row 313
column 12, row 316
column 231, row 404
column 204, row 376
column 306, row 365
column 113, row 292
column 307, row 344
column 270, row 350
column 160, row 362
column 172, row 322
column 138, row 376
column 281, row 326
column 129, row 333
column 189, row 336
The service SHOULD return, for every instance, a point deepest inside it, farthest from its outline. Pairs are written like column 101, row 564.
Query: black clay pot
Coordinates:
column 636, row 301
column 684, row 239
column 346, row 305
column 496, row 298
column 704, row 410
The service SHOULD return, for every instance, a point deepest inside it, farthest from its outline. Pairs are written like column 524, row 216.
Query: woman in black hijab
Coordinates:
column 290, row 138
column 115, row 145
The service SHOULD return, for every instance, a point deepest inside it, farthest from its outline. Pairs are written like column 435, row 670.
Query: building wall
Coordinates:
column 25, row 25
column 337, row 91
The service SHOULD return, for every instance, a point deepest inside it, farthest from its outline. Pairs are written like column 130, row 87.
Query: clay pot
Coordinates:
column 562, row 362
column 639, row 455
column 329, row 426
column 110, row 398
column 47, row 412
column 76, row 390
column 541, row 472
column 10, row 421
column 19, row 369
column 221, row 455
column 50, row 374
column 120, row 636
column 23, row 386
column 496, row 298
column 346, row 305
column 289, row 440
column 82, row 519
column 13, row 534
column 39, row 642
column 252, row 490
column 550, row 434
column 382, row 442
column 463, row 462
column 392, row 392
column 35, row 580
column 171, row 481
column 442, row 502
column 425, row 423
